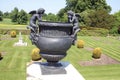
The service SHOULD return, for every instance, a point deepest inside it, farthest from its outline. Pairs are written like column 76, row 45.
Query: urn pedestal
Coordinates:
column 34, row 73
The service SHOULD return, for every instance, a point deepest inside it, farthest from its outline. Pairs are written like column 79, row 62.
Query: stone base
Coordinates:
column 34, row 72
column 50, row 69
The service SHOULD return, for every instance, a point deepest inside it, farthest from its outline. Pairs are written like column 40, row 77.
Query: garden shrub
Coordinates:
column 96, row 53
column 13, row 34
column 114, row 30
column 98, row 32
column 80, row 44
column 8, row 31
column 35, row 55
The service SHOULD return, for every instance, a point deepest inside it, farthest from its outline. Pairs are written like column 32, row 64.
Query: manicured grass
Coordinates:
column 13, row 65
column 109, row 47
column 7, row 24
column 6, row 21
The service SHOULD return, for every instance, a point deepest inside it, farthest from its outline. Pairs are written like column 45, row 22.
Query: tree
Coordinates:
column 44, row 17
column 22, row 17
column 116, row 24
column 82, row 5
column 100, row 19
column 14, row 14
column 51, row 17
column 62, row 15
column 1, row 15
column 117, row 18
column 6, row 15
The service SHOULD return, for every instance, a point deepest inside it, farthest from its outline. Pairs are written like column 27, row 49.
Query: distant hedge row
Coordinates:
column 83, row 32
column 101, row 32
column 7, row 31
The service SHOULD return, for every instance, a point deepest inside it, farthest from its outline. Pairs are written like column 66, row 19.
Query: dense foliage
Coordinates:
column 99, row 19
column 88, row 10
column 14, row 15
column 83, row 5
column 116, row 24
column 22, row 17
column 19, row 17
column 50, row 17
column 6, row 15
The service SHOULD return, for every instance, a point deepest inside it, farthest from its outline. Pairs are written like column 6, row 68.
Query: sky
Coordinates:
column 115, row 5
column 50, row 6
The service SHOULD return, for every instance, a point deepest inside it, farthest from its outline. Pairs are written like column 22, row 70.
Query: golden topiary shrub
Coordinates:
column 13, row 34
column 80, row 44
column 97, row 53
column 35, row 55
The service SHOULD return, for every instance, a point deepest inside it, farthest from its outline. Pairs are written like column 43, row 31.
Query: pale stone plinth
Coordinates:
column 20, row 42
column 34, row 73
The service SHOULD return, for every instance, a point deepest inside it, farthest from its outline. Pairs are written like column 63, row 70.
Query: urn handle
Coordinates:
column 75, row 32
column 74, row 35
column 33, row 35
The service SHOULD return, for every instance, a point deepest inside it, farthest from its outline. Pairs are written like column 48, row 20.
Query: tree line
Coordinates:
column 16, row 16
column 93, row 13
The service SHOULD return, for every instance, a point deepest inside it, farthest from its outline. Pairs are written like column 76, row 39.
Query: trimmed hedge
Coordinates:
column 101, row 32
column 35, row 54
column 80, row 44
column 7, row 31
column 97, row 53
column 83, row 32
column 13, row 34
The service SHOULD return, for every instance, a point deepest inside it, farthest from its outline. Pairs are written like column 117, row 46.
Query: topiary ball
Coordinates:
column 80, row 44
column 35, row 55
column 13, row 34
column 97, row 53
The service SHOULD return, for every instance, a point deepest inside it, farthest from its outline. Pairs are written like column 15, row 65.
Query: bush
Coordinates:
column 13, row 34
column 114, row 30
column 80, row 44
column 96, row 53
column 35, row 54
column 8, row 31
column 99, row 32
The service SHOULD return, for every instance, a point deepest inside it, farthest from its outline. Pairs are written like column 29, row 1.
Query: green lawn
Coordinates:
column 109, row 47
column 13, row 65
column 7, row 24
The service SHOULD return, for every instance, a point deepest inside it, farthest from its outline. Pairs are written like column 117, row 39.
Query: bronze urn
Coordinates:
column 53, row 39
